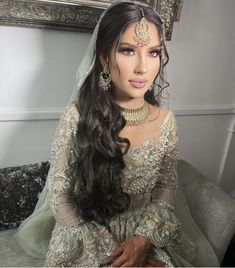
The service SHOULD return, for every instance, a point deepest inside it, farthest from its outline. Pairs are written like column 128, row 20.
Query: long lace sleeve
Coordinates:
column 72, row 238
column 61, row 175
column 158, row 221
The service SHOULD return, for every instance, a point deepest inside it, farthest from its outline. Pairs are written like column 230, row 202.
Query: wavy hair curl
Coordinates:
column 98, row 146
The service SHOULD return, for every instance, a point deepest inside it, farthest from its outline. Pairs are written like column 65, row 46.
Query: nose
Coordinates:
column 141, row 65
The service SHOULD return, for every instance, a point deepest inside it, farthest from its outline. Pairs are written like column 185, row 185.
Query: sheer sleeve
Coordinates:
column 71, row 237
column 158, row 221
column 62, row 176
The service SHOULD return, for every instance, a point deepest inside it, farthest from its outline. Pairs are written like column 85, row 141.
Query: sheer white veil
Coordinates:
column 34, row 233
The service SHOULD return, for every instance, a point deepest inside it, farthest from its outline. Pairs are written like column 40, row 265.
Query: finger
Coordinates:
column 147, row 264
column 125, row 264
column 118, row 262
column 156, row 263
column 116, row 251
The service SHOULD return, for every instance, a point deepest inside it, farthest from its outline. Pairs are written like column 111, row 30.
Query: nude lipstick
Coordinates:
column 138, row 83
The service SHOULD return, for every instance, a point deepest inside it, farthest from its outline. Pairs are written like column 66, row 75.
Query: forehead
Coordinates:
column 129, row 33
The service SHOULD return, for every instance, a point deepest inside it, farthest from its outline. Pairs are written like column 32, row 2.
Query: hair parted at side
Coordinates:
column 97, row 145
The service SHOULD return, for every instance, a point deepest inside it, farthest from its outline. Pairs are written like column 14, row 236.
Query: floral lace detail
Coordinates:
column 65, row 246
column 85, row 245
column 149, row 177
column 61, row 174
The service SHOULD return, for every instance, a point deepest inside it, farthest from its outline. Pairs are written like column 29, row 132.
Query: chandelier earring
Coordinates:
column 105, row 78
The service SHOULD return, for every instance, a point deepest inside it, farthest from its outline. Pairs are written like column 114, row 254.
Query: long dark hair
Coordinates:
column 99, row 148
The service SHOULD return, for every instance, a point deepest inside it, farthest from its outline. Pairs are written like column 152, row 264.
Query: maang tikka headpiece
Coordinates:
column 142, row 31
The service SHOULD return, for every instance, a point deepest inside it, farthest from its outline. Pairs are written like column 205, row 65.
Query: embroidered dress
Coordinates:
column 149, row 177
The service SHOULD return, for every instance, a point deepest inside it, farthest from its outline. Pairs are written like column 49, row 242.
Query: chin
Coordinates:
column 134, row 93
column 135, row 96
column 139, row 94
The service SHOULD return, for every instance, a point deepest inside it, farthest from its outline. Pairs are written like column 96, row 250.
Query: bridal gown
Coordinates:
column 55, row 229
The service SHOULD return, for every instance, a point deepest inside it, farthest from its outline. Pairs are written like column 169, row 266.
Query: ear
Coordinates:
column 103, row 61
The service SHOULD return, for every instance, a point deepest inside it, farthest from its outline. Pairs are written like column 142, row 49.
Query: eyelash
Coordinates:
column 157, row 52
column 127, row 51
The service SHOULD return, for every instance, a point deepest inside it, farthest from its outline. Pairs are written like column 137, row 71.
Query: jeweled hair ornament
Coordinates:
column 142, row 31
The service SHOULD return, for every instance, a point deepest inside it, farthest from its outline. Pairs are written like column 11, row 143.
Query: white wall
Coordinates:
column 38, row 65
column 37, row 70
column 202, row 76
column 202, row 64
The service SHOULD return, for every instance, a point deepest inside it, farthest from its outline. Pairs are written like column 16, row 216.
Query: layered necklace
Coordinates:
column 135, row 116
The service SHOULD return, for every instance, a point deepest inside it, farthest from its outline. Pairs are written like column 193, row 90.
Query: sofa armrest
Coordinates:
column 212, row 209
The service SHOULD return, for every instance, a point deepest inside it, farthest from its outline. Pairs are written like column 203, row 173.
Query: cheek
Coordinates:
column 121, row 68
column 155, row 67
column 124, row 68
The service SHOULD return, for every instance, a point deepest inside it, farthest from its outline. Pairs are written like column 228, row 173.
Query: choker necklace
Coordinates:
column 135, row 116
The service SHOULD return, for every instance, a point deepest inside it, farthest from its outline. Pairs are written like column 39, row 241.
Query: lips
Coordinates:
column 138, row 83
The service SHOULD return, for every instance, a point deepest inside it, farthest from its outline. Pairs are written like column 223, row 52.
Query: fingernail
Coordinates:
column 109, row 254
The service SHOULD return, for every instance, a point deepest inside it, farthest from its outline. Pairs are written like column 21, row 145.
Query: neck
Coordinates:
column 131, row 103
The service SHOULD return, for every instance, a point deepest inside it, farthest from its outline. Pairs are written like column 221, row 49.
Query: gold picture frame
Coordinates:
column 72, row 15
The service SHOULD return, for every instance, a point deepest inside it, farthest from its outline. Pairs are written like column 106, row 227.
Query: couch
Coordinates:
column 202, row 202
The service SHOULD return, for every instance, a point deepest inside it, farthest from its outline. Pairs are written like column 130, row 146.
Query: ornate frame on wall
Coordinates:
column 73, row 15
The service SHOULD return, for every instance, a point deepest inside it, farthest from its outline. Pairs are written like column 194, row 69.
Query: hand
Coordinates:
column 131, row 252
column 152, row 262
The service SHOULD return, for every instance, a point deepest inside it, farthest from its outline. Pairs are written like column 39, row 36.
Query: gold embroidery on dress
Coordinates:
column 149, row 177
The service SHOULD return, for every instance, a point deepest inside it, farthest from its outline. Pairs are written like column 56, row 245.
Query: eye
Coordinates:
column 127, row 51
column 155, row 53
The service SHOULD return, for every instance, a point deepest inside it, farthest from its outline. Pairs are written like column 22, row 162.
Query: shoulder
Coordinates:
column 70, row 113
column 69, row 118
column 164, row 114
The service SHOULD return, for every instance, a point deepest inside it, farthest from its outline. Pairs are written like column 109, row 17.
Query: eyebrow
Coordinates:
column 134, row 46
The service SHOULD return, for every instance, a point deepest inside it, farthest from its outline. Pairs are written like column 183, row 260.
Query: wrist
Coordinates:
column 145, row 241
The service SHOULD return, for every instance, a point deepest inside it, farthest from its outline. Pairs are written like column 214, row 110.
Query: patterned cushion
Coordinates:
column 20, row 188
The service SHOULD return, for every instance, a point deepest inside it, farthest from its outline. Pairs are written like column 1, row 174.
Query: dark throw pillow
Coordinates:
column 19, row 191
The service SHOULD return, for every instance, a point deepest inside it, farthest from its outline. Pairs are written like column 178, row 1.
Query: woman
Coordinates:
column 112, row 179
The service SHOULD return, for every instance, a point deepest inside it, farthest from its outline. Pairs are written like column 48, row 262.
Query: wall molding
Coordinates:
column 29, row 114
column 190, row 110
column 34, row 114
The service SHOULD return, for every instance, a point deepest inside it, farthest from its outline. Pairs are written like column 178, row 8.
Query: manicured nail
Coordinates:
column 109, row 254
